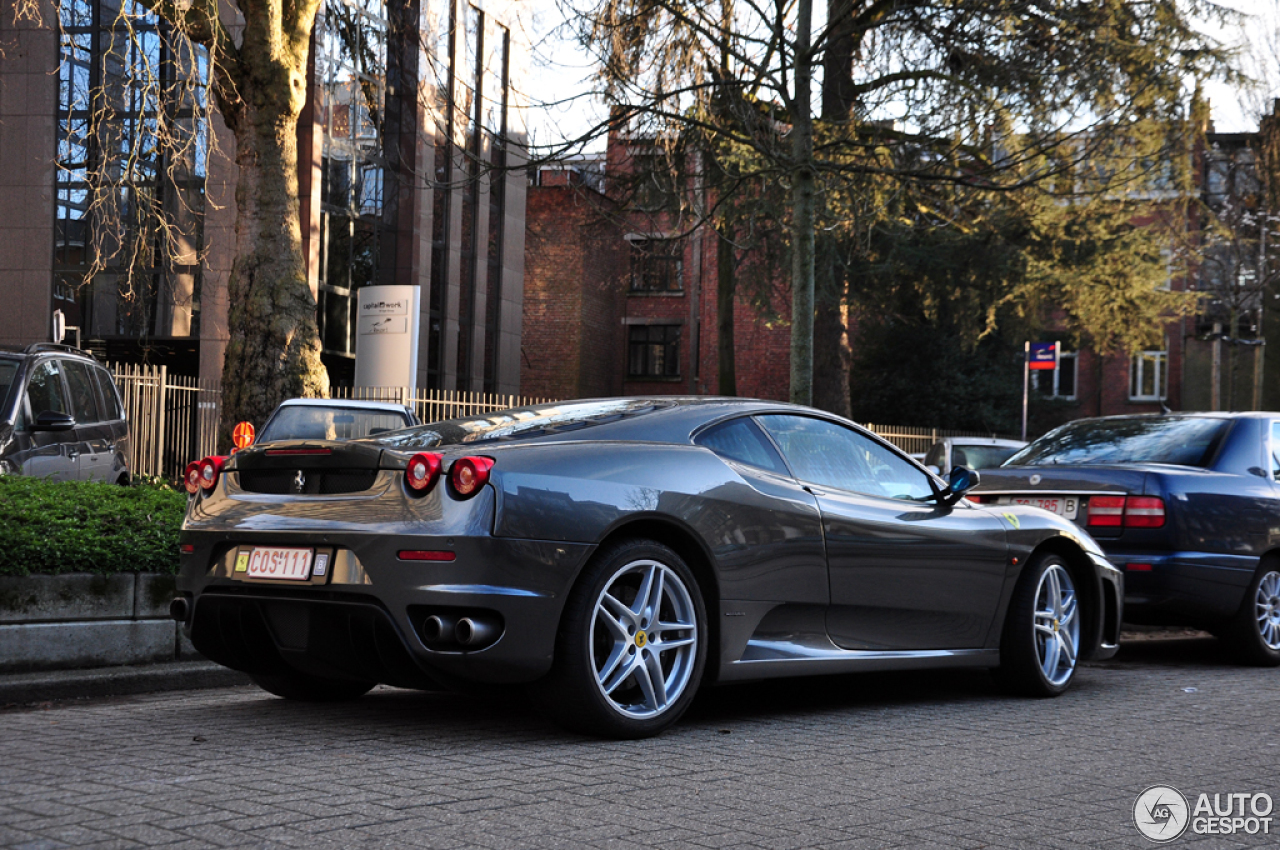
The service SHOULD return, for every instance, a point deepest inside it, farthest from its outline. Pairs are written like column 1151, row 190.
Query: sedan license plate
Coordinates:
column 1063, row 506
column 275, row 562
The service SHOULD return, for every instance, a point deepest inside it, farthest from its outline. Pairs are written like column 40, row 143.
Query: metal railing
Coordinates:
column 174, row 418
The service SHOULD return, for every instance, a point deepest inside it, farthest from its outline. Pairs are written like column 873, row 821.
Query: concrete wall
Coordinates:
column 81, row 620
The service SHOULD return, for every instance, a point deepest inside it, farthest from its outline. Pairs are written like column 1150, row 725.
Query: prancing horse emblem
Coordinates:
column 299, row 482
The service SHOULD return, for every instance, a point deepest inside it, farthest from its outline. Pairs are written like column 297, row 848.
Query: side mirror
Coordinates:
column 961, row 480
column 51, row 420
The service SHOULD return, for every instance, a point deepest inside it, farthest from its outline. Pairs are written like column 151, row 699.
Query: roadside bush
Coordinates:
column 50, row 527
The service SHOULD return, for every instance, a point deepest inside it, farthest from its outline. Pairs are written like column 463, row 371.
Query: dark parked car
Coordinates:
column 61, row 416
column 1187, row 504
column 616, row 553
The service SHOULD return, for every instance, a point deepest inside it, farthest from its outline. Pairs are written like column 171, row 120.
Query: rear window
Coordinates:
column 305, row 422
column 522, row 423
column 980, row 457
column 1184, row 441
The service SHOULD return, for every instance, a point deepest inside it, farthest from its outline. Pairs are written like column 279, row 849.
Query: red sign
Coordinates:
column 242, row 436
column 1042, row 355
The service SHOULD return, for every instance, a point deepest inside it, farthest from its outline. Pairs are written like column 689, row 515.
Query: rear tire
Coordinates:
column 300, row 686
column 631, row 647
column 1040, row 645
column 1254, row 633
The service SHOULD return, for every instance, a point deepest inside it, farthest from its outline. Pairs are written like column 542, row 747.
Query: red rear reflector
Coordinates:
column 299, row 451
column 1106, row 511
column 1137, row 568
column 469, row 474
column 187, row 549
column 424, row 555
column 1144, row 512
column 975, row 497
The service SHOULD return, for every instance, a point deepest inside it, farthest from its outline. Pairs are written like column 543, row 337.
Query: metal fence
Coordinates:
column 918, row 440
column 174, row 418
column 434, row 405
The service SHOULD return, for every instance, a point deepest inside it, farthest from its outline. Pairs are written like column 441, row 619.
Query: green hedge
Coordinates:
column 52, row 527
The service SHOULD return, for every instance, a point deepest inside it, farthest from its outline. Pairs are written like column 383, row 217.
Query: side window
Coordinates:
column 832, row 455
column 741, row 440
column 44, row 389
column 1275, row 451
column 84, row 398
column 935, row 455
column 107, row 392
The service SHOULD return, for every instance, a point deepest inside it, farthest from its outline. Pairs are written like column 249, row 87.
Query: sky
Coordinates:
column 559, row 69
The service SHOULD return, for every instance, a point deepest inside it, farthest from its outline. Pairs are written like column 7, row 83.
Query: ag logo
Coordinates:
column 1161, row 814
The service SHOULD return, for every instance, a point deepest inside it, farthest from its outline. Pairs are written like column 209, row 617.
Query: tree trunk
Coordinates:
column 273, row 352
column 725, row 292
column 831, row 351
column 803, row 203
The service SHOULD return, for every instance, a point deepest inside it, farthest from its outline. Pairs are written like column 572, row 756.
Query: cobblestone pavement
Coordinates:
column 919, row 760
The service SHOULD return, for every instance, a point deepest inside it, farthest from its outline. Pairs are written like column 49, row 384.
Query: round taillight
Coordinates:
column 191, row 478
column 469, row 474
column 210, row 467
column 422, row 471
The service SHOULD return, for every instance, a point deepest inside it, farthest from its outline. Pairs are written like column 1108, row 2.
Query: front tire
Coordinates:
column 305, row 688
column 1254, row 633
column 632, row 644
column 1040, row 646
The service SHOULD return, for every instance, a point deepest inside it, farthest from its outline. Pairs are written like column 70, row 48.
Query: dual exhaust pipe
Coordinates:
column 475, row 630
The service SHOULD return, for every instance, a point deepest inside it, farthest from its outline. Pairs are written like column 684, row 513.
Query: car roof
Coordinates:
column 983, row 441
column 354, row 404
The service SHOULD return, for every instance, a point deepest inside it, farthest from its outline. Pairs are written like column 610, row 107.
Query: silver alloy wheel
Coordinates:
column 1057, row 624
column 644, row 639
column 1267, row 609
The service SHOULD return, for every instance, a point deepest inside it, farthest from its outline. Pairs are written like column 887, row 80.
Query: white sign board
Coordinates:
column 387, row 323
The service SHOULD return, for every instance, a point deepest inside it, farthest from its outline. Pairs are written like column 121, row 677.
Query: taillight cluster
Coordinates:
column 1126, row 512
column 467, row 475
column 203, row 474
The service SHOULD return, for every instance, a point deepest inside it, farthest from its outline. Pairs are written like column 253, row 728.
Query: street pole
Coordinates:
column 1026, row 384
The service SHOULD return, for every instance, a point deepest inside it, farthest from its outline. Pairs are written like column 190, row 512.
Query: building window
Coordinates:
column 653, row 351
column 131, row 160
column 1148, row 376
column 1059, row 382
column 655, row 265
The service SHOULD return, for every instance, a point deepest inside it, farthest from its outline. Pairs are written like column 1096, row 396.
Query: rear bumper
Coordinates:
column 1182, row 588
column 366, row 621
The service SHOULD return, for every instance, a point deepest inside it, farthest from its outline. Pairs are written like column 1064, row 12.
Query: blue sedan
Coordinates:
column 1188, row 505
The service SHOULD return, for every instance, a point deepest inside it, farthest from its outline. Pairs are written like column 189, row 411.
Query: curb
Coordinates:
column 22, row 688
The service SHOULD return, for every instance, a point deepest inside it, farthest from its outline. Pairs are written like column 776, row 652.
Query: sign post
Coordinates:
column 1035, row 355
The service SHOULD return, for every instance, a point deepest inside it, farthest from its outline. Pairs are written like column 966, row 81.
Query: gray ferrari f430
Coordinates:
column 615, row 555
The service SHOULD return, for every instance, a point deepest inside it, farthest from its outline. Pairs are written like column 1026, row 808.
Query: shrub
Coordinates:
column 53, row 527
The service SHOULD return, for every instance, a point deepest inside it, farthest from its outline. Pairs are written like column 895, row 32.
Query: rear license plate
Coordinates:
column 282, row 563
column 1063, row 506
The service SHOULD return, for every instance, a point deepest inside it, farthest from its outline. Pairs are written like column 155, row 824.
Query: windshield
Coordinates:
column 980, row 457
column 521, row 423
column 1186, row 441
column 8, row 374
column 305, row 422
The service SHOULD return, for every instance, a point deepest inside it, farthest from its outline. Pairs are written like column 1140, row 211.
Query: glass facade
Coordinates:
column 357, row 188
column 132, row 156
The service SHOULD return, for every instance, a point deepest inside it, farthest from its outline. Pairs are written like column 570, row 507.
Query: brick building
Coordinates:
column 617, row 304
column 403, row 146
column 614, row 306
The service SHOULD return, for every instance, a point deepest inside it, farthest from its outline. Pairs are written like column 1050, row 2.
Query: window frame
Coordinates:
column 1137, row 362
column 672, row 349
column 644, row 263
column 1056, row 379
